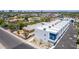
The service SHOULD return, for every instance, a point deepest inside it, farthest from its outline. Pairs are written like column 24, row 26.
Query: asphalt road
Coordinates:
column 68, row 41
column 9, row 41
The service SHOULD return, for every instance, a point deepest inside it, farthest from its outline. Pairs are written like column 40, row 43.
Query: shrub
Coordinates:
column 11, row 26
column 1, row 21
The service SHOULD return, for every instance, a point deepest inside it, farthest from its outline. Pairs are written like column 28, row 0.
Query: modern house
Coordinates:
column 52, row 31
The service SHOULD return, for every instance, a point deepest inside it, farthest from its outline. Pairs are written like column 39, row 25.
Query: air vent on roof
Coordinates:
column 44, row 29
column 52, row 24
column 49, row 26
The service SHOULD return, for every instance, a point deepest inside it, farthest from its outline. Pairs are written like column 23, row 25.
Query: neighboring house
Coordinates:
column 31, row 19
column 45, row 15
column 28, row 29
column 34, row 14
column 77, row 20
column 13, row 20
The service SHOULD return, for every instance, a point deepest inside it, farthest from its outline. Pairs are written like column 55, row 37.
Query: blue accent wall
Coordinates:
column 52, row 36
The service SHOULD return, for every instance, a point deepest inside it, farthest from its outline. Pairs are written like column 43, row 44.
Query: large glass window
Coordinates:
column 52, row 36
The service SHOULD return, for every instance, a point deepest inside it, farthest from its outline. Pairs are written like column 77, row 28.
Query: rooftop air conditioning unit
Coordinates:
column 49, row 26
column 52, row 24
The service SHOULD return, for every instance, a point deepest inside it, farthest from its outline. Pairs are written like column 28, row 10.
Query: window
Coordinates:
column 52, row 36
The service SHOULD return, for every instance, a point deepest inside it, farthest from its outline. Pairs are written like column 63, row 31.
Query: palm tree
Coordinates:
column 21, row 24
column 26, row 33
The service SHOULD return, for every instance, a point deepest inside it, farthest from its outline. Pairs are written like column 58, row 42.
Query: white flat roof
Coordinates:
column 56, row 28
column 61, row 24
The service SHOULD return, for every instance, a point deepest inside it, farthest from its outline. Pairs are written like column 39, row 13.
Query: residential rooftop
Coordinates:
column 54, row 26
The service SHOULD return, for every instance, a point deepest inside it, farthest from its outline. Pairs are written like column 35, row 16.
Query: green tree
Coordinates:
column 1, row 21
column 12, row 26
column 45, row 19
column 78, row 24
column 21, row 24
column 5, row 25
